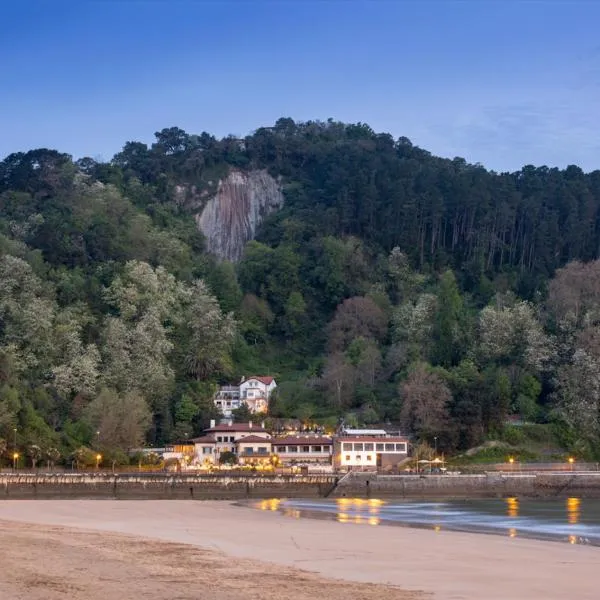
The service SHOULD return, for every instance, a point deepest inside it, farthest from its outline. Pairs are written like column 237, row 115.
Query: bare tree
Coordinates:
column 425, row 398
column 35, row 454
column 356, row 317
column 368, row 363
column 574, row 294
column 52, row 456
column 338, row 378
column 588, row 339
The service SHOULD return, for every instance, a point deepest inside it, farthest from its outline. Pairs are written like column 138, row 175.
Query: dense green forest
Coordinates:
column 393, row 286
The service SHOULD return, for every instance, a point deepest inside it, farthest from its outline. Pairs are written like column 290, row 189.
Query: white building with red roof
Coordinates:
column 254, row 449
column 227, row 438
column 253, row 392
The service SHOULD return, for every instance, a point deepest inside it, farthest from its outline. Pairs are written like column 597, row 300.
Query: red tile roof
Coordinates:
column 205, row 439
column 239, row 427
column 262, row 378
column 302, row 440
column 252, row 439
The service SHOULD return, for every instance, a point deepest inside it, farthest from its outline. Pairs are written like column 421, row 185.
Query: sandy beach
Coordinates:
column 169, row 550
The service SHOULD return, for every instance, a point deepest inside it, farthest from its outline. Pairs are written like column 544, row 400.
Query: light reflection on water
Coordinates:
column 573, row 510
column 571, row 520
column 512, row 507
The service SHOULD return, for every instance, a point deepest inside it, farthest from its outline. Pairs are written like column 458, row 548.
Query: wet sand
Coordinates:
column 218, row 551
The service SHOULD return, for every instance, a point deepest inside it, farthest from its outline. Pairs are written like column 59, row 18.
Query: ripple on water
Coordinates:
column 573, row 520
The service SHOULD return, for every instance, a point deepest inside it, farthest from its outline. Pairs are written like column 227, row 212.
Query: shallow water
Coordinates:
column 572, row 520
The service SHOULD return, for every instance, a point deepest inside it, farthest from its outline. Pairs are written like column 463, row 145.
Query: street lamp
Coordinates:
column 98, row 459
column 435, row 444
column 571, row 461
column 511, row 461
column 15, row 459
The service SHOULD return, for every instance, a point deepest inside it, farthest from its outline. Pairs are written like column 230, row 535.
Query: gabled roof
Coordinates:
column 253, row 438
column 235, row 427
column 205, row 439
column 262, row 378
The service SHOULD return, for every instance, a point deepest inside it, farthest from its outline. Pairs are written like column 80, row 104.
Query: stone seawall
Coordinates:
column 489, row 485
column 163, row 486
column 358, row 485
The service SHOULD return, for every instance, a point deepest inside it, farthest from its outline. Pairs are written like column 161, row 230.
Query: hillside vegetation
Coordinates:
column 392, row 286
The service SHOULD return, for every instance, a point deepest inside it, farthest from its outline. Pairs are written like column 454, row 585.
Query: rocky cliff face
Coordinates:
column 230, row 218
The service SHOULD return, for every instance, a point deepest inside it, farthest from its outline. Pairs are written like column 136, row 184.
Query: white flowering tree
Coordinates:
column 121, row 420
column 578, row 394
column 510, row 332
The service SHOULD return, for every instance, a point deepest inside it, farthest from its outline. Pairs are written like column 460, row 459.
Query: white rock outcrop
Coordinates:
column 230, row 219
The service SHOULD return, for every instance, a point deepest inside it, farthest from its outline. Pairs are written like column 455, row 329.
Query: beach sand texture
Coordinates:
column 218, row 551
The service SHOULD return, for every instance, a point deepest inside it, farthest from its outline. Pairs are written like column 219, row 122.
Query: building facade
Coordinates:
column 252, row 444
column 292, row 450
column 225, row 438
column 205, row 451
column 369, row 452
column 253, row 392
column 253, row 450
column 227, row 399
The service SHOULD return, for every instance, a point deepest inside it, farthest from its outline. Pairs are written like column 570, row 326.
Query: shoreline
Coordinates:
column 451, row 565
column 374, row 518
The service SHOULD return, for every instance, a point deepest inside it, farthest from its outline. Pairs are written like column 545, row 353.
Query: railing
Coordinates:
column 517, row 467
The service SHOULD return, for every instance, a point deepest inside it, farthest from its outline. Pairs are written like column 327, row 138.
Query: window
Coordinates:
column 368, row 447
column 206, row 450
column 305, row 448
column 379, row 447
column 262, row 449
column 232, row 439
column 219, row 438
column 292, row 448
column 346, row 447
column 401, row 447
column 348, row 457
column 358, row 447
column 390, row 447
column 358, row 457
column 316, row 448
column 369, row 457
column 248, row 450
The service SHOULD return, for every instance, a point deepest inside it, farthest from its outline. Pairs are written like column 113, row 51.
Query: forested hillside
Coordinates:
column 392, row 286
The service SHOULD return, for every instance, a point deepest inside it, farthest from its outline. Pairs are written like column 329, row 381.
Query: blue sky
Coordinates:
column 502, row 83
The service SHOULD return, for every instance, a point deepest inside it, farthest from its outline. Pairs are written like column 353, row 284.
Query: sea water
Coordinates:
column 573, row 520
